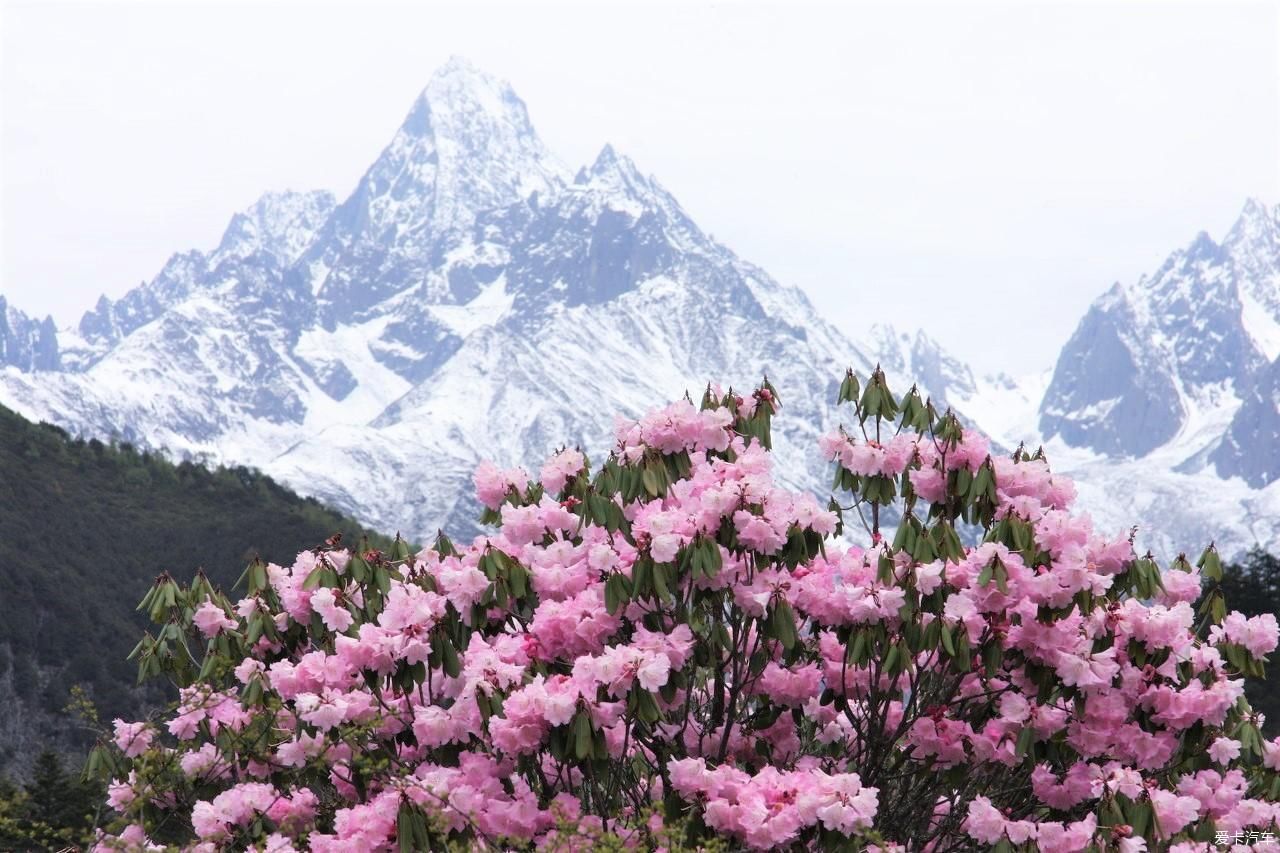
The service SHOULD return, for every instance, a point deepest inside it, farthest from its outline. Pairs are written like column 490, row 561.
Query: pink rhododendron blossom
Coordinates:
column 1257, row 634
column 212, row 620
column 1224, row 750
column 133, row 739
column 336, row 617
column 673, row 645
column 562, row 466
column 493, row 484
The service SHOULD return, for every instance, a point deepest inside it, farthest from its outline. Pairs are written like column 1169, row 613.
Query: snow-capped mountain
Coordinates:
column 474, row 298
column 1189, row 338
column 1165, row 403
column 25, row 343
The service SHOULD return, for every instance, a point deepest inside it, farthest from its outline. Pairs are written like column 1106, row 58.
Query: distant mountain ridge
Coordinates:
column 1166, row 399
column 475, row 298
column 26, row 343
column 1198, row 331
column 471, row 298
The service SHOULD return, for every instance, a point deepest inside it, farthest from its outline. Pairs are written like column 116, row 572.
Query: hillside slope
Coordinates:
column 84, row 529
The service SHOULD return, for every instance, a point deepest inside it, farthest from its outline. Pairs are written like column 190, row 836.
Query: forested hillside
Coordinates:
column 1252, row 586
column 85, row 527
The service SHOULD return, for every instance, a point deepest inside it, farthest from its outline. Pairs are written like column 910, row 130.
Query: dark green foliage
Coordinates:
column 58, row 798
column 55, row 810
column 1252, row 586
column 85, row 528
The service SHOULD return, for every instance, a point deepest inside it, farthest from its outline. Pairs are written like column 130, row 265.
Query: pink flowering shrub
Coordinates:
column 674, row 652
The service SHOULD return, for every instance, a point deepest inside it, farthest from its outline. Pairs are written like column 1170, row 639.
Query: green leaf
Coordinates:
column 1139, row 817
column 891, row 660
column 257, row 576
column 147, row 599
column 612, row 600
column 650, row 479
column 1001, row 575
column 314, row 578
column 641, row 573
column 444, row 545
column 1026, row 739
column 660, row 581
column 712, row 560
column 858, row 649
column 884, row 569
column 358, row 568
column 404, row 827
column 962, row 658
column 784, row 625
column 924, row 552
column 421, row 838
column 992, row 657
column 646, row 706
column 449, row 658
column 254, row 630
column 519, row 579
column 1210, row 564
column 848, row 389
column 984, row 576
column 582, row 742
column 871, row 400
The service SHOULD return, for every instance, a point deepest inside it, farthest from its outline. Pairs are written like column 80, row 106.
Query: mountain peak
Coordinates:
column 281, row 223
column 1253, row 205
column 459, row 77
column 1202, row 248
column 614, row 168
column 458, row 89
column 26, row 342
column 1255, row 222
column 608, row 154
column 462, row 70
column 467, row 146
column 470, row 125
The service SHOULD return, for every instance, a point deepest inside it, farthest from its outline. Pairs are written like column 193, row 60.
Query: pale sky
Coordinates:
column 982, row 170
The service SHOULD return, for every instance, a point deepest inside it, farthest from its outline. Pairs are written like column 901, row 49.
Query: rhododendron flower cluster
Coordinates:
column 671, row 651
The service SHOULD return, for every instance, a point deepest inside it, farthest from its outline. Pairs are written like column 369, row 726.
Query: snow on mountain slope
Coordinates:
column 466, row 146
column 1005, row 407
column 924, row 359
column 620, row 302
column 1148, row 356
column 472, row 298
column 281, row 224
column 514, row 399
column 1163, row 404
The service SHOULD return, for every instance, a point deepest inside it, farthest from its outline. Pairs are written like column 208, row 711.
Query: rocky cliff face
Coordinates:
column 1192, row 336
column 1250, row 449
column 1164, row 402
column 25, row 343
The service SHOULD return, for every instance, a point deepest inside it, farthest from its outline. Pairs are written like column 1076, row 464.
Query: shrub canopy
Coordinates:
column 673, row 651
